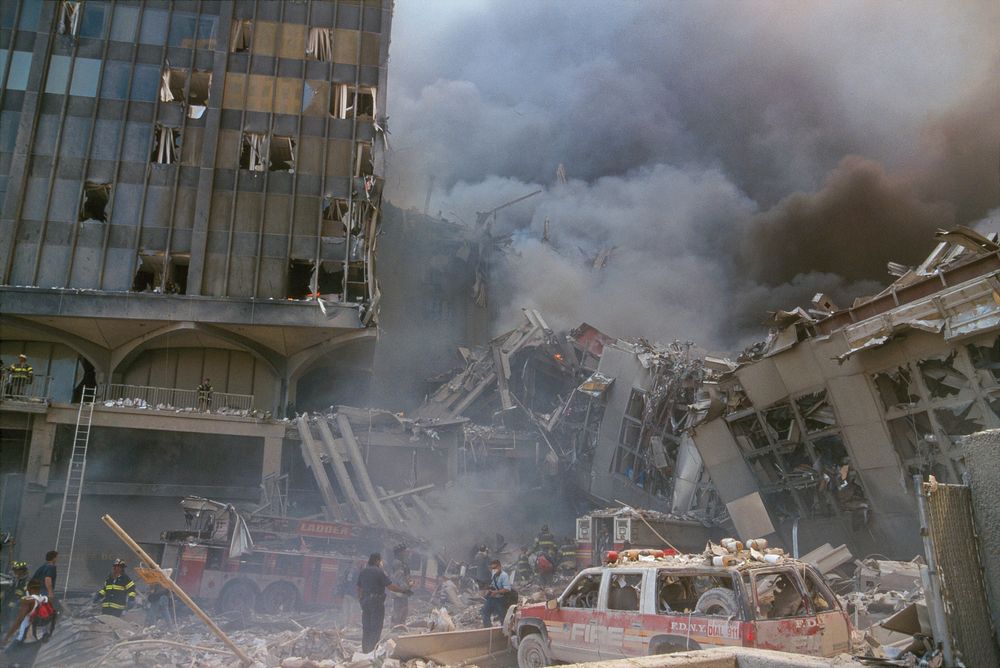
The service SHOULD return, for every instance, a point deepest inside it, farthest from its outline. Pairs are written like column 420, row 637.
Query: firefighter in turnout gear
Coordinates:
column 118, row 592
column 547, row 555
column 19, row 377
column 19, row 589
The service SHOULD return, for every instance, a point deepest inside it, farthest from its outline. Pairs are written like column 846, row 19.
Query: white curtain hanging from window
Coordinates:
column 242, row 32
column 166, row 152
column 255, row 144
column 69, row 17
column 320, row 45
column 165, row 94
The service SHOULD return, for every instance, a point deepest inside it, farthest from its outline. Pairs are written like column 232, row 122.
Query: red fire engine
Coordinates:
column 275, row 564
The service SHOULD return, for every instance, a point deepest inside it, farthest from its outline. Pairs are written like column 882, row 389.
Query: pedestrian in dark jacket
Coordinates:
column 371, row 586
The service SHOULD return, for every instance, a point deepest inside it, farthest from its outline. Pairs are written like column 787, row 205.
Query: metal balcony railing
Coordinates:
column 22, row 389
column 173, row 399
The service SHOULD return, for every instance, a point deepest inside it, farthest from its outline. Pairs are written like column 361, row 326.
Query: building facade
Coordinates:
column 190, row 190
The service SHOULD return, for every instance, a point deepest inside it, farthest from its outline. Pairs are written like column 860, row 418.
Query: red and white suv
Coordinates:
column 670, row 605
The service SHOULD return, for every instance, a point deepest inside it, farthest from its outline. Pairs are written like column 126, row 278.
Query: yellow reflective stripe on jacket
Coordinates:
column 116, row 606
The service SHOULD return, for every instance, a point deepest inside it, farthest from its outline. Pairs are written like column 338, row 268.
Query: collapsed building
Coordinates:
column 813, row 434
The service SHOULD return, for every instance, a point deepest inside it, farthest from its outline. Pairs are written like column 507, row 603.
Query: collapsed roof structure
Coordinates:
column 824, row 420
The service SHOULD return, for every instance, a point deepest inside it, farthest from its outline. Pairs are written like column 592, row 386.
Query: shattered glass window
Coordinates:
column 781, row 423
column 942, row 378
column 750, row 434
column 816, row 412
column 625, row 592
column 986, row 361
column 636, row 404
column 896, row 388
column 961, row 420
column 911, row 434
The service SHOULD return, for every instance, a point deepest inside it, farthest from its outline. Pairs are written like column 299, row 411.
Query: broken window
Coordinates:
column 961, row 420
column 242, row 35
column 365, row 166
column 777, row 596
column 896, row 388
column 335, row 217
column 625, row 591
column 583, row 593
column 282, row 154
column 95, row 201
column 686, row 593
column 300, row 279
column 816, row 412
column 781, row 423
column 175, row 80
column 910, row 434
column 166, row 145
column 320, row 44
column 819, row 593
column 69, row 17
column 986, row 362
column 749, row 433
column 253, row 154
column 942, row 378
column 156, row 273
column 348, row 101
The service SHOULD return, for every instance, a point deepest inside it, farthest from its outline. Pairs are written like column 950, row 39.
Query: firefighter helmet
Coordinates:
column 19, row 566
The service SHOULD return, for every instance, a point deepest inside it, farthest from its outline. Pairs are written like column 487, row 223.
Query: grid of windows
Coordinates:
column 303, row 75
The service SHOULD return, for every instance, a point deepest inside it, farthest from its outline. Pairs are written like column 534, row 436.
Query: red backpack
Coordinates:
column 44, row 615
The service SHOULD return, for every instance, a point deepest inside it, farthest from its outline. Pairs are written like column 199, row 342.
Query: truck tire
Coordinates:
column 237, row 595
column 532, row 652
column 718, row 601
column 279, row 597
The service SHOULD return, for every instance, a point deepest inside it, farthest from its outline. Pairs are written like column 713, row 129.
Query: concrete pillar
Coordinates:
column 43, row 438
column 272, row 456
column 982, row 461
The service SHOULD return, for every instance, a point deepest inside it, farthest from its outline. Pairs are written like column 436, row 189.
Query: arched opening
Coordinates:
column 341, row 376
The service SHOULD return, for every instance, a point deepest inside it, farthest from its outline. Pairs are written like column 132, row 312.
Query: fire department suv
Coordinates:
column 672, row 604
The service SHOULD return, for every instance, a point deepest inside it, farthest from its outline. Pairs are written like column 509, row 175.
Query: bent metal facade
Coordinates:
column 190, row 189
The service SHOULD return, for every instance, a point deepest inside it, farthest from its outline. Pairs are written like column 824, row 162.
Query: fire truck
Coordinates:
column 275, row 564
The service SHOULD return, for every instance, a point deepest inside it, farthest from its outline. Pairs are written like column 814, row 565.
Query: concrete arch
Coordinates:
column 123, row 356
column 300, row 362
column 97, row 355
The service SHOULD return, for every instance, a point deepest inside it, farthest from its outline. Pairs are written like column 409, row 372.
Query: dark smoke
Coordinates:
column 738, row 157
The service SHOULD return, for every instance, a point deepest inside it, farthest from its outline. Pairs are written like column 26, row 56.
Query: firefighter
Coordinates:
column 548, row 554
column 19, row 589
column 118, row 592
column 523, row 569
column 205, row 396
column 20, row 376
column 401, row 577
column 568, row 556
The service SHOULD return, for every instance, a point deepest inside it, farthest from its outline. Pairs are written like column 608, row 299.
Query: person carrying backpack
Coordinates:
column 35, row 612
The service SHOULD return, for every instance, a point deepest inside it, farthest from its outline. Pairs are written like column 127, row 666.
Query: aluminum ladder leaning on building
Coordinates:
column 66, row 535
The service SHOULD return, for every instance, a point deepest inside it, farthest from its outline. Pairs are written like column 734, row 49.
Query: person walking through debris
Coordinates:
column 46, row 575
column 498, row 595
column 19, row 377
column 160, row 605
column 19, row 589
column 548, row 554
column 118, row 592
column 481, row 567
column 371, row 586
column 34, row 611
column 205, row 395
column 401, row 577
column 523, row 569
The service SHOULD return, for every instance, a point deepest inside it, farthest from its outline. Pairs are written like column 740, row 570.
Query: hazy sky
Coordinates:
column 738, row 156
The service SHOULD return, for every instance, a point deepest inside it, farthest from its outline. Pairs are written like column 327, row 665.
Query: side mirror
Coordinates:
column 552, row 604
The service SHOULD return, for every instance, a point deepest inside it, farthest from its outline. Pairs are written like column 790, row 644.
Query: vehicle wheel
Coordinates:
column 666, row 648
column 279, row 597
column 532, row 652
column 237, row 595
column 718, row 601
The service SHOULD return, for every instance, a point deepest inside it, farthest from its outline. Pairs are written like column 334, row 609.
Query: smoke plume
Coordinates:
column 722, row 159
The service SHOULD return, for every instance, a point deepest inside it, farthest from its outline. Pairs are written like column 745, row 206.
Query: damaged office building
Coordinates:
column 191, row 196
column 827, row 421
column 813, row 434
